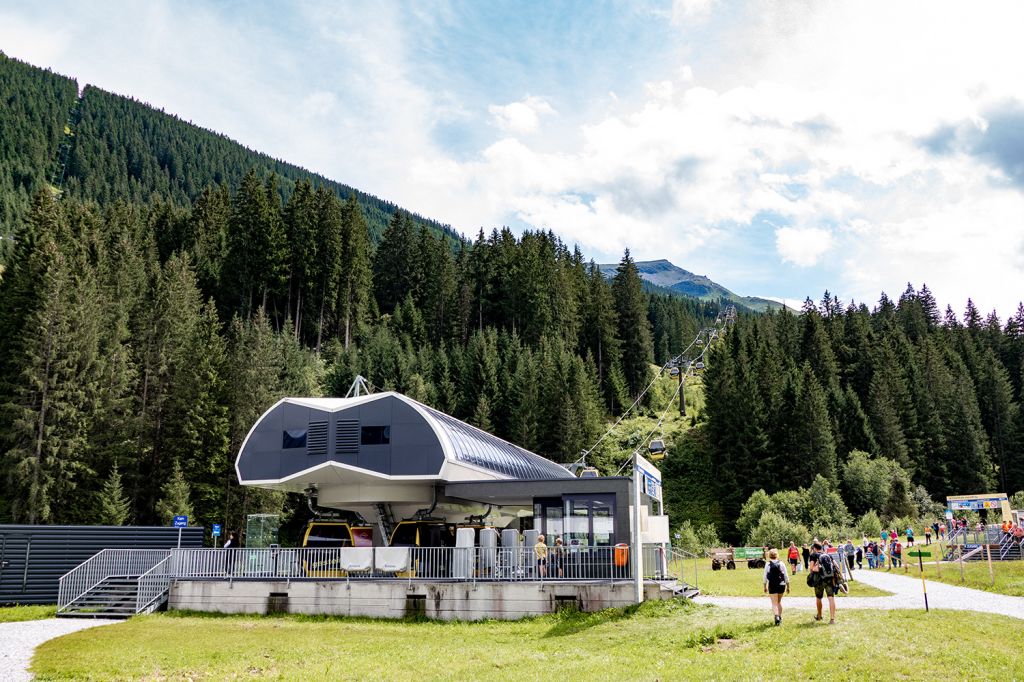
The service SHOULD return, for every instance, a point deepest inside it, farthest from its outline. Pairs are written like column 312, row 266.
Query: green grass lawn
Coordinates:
column 660, row 641
column 14, row 614
column 1009, row 575
column 747, row 582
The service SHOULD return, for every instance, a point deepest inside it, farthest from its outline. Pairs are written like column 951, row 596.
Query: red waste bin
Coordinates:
column 621, row 554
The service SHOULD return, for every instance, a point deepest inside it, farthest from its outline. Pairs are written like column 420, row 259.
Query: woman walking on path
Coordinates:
column 776, row 583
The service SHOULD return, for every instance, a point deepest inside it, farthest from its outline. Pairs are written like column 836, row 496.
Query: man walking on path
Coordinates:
column 823, row 568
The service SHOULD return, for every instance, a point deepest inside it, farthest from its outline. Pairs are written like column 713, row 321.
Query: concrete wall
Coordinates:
column 398, row 599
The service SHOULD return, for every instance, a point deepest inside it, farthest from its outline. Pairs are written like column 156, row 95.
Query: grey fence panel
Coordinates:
column 33, row 558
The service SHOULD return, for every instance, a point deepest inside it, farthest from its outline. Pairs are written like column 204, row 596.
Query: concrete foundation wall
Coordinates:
column 398, row 599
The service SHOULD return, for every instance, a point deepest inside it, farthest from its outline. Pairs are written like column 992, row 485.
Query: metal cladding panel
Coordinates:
column 33, row 558
column 375, row 457
column 413, row 450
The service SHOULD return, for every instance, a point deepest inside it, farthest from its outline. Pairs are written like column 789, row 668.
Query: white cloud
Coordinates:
column 688, row 10
column 793, row 125
column 521, row 117
column 802, row 246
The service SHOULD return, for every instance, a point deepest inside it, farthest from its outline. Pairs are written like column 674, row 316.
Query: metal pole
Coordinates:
column 682, row 394
column 961, row 563
column 938, row 565
column 924, row 588
column 637, row 540
column 988, row 553
column 179, row 537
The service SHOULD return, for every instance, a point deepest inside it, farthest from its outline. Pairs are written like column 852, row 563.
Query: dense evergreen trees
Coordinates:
column 142, row 341
column 852, row 394
column 34, row 107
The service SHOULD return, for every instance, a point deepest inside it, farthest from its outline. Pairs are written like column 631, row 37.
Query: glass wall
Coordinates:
column 577, row 519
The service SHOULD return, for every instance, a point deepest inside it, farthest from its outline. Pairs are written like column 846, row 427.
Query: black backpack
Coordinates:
column 775, row 579
column 826, row 567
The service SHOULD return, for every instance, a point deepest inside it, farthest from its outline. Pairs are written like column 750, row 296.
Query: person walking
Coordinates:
column 794, row 557
column 776, row 582
column 823, row 568
column 805, row 552
column 927, row 535
column 910, row 536
column 896, row 554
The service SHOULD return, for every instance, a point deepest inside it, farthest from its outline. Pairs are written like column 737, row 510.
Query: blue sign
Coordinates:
column 181, row 522
column 216, row 530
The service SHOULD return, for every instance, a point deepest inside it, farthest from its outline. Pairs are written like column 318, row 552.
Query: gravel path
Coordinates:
column 19, row 640
column 906, row 595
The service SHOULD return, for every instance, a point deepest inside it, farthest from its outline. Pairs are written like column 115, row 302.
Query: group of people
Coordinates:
column 824, row 574
column 1014, row 530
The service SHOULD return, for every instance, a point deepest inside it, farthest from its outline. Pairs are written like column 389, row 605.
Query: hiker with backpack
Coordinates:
column 822, row 577
column 776, row 583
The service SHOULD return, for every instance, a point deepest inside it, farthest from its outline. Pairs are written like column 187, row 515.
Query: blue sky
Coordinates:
column 781, row 148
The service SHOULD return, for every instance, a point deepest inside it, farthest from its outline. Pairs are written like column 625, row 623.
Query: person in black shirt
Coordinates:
column 823, row 567
column 806, row 554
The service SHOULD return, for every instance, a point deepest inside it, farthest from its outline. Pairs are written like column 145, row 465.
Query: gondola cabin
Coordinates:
column 657, row 449
column 329, row 535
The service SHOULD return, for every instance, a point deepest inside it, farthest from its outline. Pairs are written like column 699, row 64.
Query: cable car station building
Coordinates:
column 418, row 513
column 385, row 457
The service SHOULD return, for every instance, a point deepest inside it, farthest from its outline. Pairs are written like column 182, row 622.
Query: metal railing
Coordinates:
column 152, row 586
column 106, row 564
column 502, row 564
column 677, row 561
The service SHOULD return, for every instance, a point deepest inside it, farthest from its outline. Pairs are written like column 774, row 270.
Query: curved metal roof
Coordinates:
column 410, row 454
column 479, row 448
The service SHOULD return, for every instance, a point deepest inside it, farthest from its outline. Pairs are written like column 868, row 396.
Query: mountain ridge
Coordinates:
column 665, row 275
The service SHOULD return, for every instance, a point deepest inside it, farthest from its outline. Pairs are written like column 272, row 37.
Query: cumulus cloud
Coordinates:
column 684, row 10
column 777, row 147
column 813, row 139
column 802, row 246
column 521, row 117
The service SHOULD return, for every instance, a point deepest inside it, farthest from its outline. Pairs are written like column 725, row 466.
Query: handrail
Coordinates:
column 457, row 564
column 152, row 585
column 105, row 564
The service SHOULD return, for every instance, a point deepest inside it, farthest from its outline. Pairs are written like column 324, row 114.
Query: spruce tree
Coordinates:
column 113, row 509
column 634, row 328
column 355, row 288
column 174, row 499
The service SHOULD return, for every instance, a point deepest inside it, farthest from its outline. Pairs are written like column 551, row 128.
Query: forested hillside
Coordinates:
column 927, row 404
column 175, row 285
column 34, row 106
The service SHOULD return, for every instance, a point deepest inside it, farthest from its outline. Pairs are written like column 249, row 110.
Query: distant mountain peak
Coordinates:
column 666, row 275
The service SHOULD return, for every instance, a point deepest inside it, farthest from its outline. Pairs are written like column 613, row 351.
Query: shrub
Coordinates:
column 773, row 530
column 707, row 536
column 869, row 524
column 685, row 537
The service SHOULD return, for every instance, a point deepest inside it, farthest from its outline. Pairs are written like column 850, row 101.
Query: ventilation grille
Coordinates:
column 346, row 441
column 316, row 440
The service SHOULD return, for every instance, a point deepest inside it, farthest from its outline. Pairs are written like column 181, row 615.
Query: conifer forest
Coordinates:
column 162, row 286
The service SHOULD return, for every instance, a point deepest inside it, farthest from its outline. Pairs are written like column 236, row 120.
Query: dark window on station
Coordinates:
column 294, row 438
column 375, row 435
